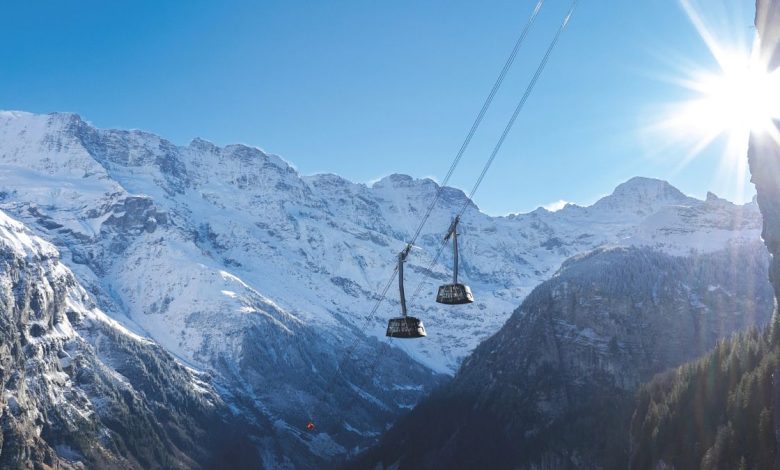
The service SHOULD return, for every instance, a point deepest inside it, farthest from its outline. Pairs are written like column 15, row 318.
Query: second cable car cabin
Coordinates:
column 455, row 293
column 404, row 326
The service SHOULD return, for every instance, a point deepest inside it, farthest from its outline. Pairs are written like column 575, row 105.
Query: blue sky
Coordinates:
column 364, row 89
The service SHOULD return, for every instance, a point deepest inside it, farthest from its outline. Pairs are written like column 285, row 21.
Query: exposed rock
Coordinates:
column 266, row 279
column 554, row 388
column 79, row 391
column 764, row 150
column 733, row 393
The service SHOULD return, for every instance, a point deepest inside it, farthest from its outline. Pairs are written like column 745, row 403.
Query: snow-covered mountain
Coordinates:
column 555, row 387
column 238, row 265
column 77, row 389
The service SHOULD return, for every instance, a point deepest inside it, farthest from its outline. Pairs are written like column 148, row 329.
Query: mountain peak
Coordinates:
column 247, row 154
column 203, row 145
column 22, row 120
column 11, row 114
column 328, row 179
column 643, row 196
column 396, row 180
column 713, row 199
column 651, row 187
column 65, row 116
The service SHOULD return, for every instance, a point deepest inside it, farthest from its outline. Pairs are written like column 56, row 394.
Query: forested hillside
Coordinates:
column 556, row 386
column 714, row 413
column 722, row 411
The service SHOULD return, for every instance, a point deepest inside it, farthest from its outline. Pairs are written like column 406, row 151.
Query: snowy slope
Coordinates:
column 252, row 215
column 237, row 264
column 78, row 390
column 164, row 270
column 571, row 358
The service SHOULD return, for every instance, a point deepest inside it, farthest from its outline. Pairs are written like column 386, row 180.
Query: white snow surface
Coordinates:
column 232, row 234
column 16, row 237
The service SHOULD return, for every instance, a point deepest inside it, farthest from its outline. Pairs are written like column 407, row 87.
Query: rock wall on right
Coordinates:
column 764, row 150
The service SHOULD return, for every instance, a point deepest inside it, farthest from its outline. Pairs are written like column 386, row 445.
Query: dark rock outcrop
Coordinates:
column 732, row 394
column 764, row 150
column 554, row 388
column 79, row 391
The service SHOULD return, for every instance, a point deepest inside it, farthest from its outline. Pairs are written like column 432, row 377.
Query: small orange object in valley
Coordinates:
column 310, row 426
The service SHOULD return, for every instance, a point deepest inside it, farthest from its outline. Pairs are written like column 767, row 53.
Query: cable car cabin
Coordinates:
column 405, row 327
column 454, row 294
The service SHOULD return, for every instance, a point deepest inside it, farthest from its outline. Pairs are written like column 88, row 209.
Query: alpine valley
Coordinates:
column 166, row 306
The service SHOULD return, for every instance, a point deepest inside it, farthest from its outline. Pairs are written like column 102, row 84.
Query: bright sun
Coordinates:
column 739, row 98
column 726, row 103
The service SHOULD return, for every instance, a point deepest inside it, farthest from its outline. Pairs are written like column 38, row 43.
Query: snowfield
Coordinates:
column 240, row 266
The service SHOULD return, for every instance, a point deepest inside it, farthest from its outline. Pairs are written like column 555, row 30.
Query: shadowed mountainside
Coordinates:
column 723, row 411
column 555, row 387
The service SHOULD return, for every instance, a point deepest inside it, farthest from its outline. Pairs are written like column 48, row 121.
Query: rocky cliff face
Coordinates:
column 764, row 159
column 554, row 388
column 241, row 267
column 187, row 246
column 764, row 150
column 732, row 393
column 78, row 390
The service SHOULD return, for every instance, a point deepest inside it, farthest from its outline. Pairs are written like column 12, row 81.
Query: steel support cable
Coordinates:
column 505, row 133
column 521, row 104
column 480, row 116
column 475, row 125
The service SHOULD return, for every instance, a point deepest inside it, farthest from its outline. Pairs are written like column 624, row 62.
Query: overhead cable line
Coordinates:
column 475, row 125
column 480, row 116
column 521, row 104
column 504, row 134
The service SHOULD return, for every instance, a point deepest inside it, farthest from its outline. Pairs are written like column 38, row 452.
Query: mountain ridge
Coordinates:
column 240, row 266
column 629, row 188
column 572, row 356
column 76, row 388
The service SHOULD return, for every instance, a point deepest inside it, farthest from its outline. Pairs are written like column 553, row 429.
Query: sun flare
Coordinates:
column 740, row 98
column 722, row 104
